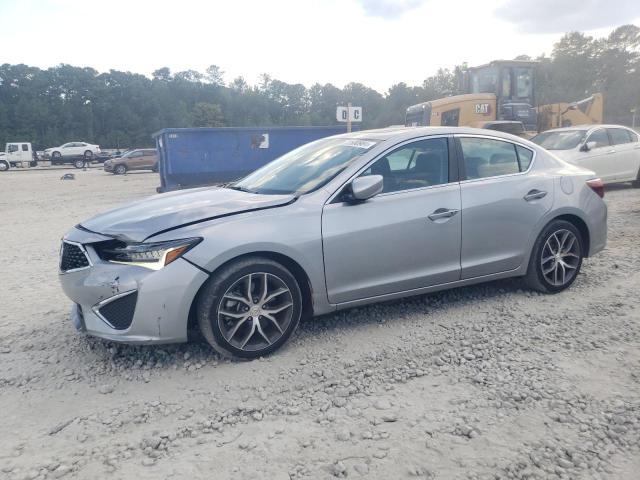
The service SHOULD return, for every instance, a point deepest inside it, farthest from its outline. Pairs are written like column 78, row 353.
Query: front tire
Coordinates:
column 636, row 182
column 120, row 169
column 250, row 308
column 79, row 163
column 556, row 258
column 4, row 166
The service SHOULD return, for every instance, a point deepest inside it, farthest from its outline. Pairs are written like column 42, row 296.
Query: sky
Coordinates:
column 374, row 42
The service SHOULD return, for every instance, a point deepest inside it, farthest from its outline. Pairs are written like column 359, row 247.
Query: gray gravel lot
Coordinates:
column 486, row 382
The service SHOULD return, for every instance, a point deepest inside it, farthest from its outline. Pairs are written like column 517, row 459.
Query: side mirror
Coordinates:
column 588, row 146
column 364, row 188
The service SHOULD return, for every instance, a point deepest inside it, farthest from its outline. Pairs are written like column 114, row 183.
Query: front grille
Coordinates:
column 119, row 312
column 72, row 257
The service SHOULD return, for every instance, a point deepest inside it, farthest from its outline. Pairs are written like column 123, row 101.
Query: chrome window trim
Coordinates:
column 84, row 251
column 333, row 196
column 490, row 137
column 96, row 308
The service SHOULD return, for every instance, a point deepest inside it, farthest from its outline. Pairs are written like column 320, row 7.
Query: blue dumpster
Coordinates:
column 192, row 157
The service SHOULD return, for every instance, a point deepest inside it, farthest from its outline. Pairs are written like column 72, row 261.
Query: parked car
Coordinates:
column 611, row 151
column 343, row 221
column 77, row 153
column 140, row 159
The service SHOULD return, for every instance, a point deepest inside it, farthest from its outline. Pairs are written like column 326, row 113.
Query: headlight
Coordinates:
column 149, row 255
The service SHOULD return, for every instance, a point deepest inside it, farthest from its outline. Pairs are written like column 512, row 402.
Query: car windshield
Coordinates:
column 306, row 168
column 564, row 140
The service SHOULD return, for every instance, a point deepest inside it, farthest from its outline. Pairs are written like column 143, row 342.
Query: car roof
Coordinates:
column 587, row 126
column 400, row 133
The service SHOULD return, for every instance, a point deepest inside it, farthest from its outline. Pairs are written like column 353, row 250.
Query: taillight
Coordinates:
column 597, row 186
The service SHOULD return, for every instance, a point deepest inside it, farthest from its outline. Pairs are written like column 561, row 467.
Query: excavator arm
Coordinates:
column 586, row 111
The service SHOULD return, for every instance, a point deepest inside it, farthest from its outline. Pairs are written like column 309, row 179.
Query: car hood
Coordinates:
column 137, row 221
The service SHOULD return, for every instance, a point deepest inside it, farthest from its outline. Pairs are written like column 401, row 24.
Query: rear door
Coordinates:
column 502, row 198
column 626, row 160
column 149, row 158
column 135, row 160
column 405, row 238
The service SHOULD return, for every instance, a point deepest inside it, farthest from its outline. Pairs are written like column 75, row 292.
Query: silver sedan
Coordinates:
column 344, row 221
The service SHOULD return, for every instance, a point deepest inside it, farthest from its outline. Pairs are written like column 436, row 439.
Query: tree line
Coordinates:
column 65, row 103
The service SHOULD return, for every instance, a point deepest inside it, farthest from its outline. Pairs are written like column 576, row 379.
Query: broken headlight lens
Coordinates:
column 150, row 255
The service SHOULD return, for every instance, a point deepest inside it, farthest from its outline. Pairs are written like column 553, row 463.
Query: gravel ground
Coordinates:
column 486, row 382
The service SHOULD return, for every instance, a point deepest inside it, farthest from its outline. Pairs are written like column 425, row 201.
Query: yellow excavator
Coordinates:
column 500, row 96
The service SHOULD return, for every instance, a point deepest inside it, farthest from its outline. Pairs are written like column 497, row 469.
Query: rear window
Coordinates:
column 486, row 157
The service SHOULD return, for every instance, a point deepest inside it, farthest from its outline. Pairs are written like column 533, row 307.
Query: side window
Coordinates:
column 418, row 164
column 633, row 135
column 600, row 137
column 25, row 147
column 619, row 136
column 12, row 148
column 524, row 157
column 450, row 118
column 136, row 154
column 486, row 157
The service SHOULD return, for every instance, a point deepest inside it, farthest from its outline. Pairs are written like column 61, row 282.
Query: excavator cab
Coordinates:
column 512, row 83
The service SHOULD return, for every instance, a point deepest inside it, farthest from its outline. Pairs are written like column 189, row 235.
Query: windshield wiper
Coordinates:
column 238, row 188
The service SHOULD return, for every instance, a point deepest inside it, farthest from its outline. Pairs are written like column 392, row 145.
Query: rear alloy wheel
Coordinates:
column 120, row 169
column 556, row 258
column 250, row 308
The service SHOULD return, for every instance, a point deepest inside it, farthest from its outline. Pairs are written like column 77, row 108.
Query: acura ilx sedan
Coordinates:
column 343, row 221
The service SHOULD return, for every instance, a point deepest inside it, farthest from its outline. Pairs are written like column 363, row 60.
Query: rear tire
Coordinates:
column 79, row 163
column 246, row 290
column 4, row 166
column 556, row 258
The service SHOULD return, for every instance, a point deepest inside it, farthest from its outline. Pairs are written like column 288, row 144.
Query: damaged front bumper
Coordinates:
column 128, row 303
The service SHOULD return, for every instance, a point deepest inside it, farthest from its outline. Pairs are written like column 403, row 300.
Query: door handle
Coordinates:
column 443, row 213
column 535, row 195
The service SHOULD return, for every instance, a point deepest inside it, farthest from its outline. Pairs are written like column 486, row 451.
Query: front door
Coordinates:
column 501, row 202
column 405, row 238
column 600, row 158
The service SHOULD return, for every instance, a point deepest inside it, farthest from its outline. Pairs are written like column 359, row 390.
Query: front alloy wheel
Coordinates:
column 250, row 308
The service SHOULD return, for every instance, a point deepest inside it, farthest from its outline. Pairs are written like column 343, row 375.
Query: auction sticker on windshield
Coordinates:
column 366, row 144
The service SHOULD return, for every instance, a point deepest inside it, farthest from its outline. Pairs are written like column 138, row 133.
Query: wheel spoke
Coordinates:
column 275, row 294
column 259, row 328
column 236, row 328
column 248, row 337
column 564, row 272
column 278, row 309
column 273, row 320
column 568, row 247
column 233, row 314
column 265, row 288
column 249, row 296
column 549, row 270
column 236, row 298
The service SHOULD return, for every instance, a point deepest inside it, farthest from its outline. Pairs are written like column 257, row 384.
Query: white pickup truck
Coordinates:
column 17, row 155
